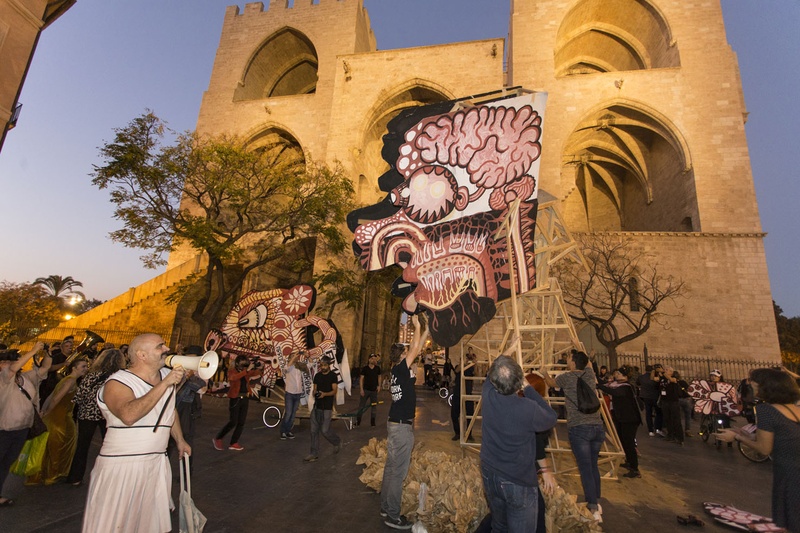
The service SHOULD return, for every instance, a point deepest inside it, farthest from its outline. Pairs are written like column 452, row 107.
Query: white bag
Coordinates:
column 190, row 519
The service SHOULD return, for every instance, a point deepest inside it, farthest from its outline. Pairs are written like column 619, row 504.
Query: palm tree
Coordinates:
column 60, row 287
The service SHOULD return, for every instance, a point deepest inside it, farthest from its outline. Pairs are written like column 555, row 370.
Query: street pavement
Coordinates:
column 267, row 487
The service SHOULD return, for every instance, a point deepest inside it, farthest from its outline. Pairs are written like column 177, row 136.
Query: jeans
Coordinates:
column 399, row 444
column 321, row 421
column 237, row 413
column 687, row 406
column 586, row 441
column 514, row 507
column 372, row 397
column 292, row 402
column 651, row 408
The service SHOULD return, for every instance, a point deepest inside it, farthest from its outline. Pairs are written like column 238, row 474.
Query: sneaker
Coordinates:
column 384, row 514
column 398, row 523
column 659, row 433
column 290, row 435
column 337, row 448
column 217, row 444
column 310, row 458
column 652, row 434
column 236, row 447
column 284, row 436
column 632, row 474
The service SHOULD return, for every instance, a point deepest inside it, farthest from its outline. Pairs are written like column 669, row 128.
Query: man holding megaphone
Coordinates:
column 131, row 480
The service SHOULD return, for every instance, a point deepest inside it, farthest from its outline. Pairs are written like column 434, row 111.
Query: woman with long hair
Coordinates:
column 778, row 434
column 57, row 415
column 89, row 416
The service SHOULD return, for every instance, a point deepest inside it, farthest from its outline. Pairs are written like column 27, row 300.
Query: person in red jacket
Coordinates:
column 239, row 378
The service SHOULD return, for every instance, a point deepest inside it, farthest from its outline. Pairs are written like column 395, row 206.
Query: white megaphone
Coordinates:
column 205, row 365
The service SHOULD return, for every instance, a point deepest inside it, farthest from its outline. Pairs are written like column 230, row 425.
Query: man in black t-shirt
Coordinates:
column 368, row 383
column 400, row 429
column 325, row 388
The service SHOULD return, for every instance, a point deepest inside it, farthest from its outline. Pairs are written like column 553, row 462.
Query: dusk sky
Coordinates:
column 104, row 62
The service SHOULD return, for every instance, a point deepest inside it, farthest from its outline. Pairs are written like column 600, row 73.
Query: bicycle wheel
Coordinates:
column 450, row 400
column 443, row 393
column 752, row 454
column 271, row 416
column 705, row 428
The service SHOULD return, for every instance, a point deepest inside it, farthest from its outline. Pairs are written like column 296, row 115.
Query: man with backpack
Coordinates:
column 584, row 423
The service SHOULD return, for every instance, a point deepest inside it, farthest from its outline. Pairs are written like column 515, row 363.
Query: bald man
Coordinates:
column 131, row 480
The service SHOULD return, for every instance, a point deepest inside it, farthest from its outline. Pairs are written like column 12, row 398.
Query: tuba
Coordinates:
column 90, row 339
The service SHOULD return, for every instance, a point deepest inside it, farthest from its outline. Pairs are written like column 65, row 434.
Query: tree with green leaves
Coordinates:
column 60, row 287
column 245, row 207
column 25, row 311
column 620, row 295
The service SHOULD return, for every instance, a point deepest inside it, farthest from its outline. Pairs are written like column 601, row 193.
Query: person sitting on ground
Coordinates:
column 778, row 435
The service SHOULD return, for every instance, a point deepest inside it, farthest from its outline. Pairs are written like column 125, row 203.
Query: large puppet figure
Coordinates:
column 455, row 170
column 270, row 325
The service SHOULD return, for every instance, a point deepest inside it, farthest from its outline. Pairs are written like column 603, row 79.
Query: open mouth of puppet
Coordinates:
column 440, row 282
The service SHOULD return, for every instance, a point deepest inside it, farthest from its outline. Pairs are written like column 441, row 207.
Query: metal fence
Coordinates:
column 692, row 367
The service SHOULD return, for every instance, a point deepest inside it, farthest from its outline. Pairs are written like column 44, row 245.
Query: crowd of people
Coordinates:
column 139, row 407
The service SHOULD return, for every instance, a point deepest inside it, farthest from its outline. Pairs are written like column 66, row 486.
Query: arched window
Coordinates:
column 613, row 35
column 285, row 64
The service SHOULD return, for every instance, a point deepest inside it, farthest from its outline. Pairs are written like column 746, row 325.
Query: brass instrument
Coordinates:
column 90, row 339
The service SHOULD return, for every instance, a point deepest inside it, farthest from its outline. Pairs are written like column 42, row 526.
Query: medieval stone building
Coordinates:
column 644, row 135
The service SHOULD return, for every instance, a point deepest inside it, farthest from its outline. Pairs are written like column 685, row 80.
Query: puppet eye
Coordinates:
column 255, row 318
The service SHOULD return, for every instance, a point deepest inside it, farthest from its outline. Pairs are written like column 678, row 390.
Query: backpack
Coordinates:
column 588, row 402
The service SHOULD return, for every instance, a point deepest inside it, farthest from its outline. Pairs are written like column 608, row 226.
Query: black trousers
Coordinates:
column 672, row 419
column 237, row 412
column 627, row 437
column 86, row 430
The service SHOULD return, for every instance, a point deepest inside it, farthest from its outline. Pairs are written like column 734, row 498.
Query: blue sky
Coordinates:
column 105, row 62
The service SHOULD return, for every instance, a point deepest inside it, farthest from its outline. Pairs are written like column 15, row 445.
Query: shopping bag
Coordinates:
column 30, row 458
column 190, row 519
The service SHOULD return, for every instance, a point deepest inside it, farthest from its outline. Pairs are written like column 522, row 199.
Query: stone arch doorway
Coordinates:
column 370, row 163
column 285, row 64
column 613, row 35
column 626, row 168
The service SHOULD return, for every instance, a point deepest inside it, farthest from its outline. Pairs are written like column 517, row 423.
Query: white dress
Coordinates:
column 130, row 485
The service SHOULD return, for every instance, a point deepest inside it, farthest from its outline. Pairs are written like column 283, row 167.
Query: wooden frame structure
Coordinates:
column 546, row 332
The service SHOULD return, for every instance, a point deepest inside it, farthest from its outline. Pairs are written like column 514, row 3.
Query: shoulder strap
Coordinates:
column 17, row 379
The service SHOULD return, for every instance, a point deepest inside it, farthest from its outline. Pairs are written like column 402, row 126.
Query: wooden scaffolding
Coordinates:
column 547, row 335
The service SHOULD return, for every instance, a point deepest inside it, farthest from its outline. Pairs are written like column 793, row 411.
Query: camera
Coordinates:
column 46, row 347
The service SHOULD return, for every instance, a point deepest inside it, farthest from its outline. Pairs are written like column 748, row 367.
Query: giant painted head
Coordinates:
column 455, row 170
column 270, row 325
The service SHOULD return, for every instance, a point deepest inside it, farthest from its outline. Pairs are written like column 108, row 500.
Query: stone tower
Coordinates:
column 644, row 135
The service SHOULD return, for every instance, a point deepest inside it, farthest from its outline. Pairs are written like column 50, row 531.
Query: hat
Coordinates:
column 716, row 372
column 9, row 355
